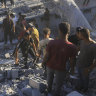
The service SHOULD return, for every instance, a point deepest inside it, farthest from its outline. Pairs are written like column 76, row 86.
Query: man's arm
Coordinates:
column 13, row 26
column 16, row 52
column 16, row 57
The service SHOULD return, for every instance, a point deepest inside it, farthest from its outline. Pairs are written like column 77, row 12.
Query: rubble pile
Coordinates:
column 15, row 81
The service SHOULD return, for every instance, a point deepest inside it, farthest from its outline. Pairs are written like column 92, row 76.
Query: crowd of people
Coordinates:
column 78, row 49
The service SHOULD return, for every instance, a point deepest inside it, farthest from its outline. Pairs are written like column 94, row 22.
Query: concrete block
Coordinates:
column 74, row 93
column 36, row 81
column 14, row 73
column 8, row 74
column 7, row 55
column 11, row 73
column 27, row 91
column 33, row 82
column 36, row 92
column 1, row 95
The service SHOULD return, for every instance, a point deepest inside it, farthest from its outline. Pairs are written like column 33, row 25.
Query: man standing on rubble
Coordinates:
column 27, row 47
column 87, row 58
column 58, row 52
column 9, row 28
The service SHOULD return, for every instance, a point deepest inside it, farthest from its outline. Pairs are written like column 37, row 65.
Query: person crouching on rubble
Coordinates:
column 58, row 52
column 87, row 58
column 34, row 34
column 27, row 47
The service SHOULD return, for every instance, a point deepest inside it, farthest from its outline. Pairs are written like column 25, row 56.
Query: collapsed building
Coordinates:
column 15, row 81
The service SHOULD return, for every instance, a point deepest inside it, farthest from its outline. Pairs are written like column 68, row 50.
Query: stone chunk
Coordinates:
column 74, row 93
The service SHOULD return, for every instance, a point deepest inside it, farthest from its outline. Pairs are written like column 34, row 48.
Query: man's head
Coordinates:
column 46, row 32
column 64, row 29
column 82, row 33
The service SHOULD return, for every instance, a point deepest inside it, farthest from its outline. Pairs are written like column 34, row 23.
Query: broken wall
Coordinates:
column 69, row 9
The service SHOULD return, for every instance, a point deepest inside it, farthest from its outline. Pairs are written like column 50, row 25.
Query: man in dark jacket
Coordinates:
column 9, row 29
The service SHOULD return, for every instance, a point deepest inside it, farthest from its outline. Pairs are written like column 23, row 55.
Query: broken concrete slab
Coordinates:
column 36, row 92
column 36, row 81
column 27, row 91
column 74, row 93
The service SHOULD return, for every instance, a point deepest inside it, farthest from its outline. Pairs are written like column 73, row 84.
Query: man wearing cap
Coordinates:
column 9, row 28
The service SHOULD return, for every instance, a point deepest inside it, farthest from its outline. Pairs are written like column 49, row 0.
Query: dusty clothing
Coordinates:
column 26, row 49
column 35, row 37
column 8, row 27
column 43, row 44
column 85, row 60
column 59, row 79
column 87, row 54
column 59, row 53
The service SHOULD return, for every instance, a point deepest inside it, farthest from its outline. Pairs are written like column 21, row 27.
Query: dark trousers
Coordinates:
column 6, row 34
column 59, row 75
column 25, row 55
column 84, row 79
column 12, row 2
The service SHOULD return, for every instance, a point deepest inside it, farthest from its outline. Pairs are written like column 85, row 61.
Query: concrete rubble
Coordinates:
column 15, row 81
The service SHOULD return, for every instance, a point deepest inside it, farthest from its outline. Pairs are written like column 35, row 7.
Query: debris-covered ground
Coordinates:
column 15, row 81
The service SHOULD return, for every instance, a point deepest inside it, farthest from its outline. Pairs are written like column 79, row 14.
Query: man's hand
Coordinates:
column 38, row 55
